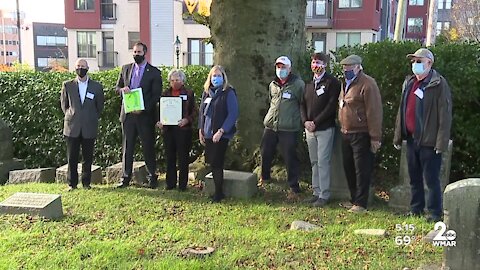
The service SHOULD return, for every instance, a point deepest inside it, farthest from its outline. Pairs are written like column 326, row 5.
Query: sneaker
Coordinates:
column 346, row 205
column 414, row 214
column 432, row 219
column 357, row 209
column 319, row 203
column 311, row 199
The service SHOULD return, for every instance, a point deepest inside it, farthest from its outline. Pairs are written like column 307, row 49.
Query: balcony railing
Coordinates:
column 319, row 13
column 109, row 12
column 107, row 59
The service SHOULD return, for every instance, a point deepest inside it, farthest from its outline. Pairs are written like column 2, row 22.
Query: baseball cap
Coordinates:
column 284, row 60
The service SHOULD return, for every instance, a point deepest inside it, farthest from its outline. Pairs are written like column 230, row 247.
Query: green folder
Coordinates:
column 133, row 101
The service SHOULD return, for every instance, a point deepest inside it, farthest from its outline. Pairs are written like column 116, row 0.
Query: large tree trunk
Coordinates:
column 248, row 35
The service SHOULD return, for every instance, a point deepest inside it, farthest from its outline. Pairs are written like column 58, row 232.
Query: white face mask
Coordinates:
column 418, row 68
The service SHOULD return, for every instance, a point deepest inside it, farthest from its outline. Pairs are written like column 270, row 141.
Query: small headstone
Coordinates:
column 400, row 195
column 7, row 162
column 300, row 225
column 61, row 174
column 235, row 184
column 40, row 175
column 428, row 238
column 139, row 173
column 371, row 232
column 34, row 204
column 461, row 207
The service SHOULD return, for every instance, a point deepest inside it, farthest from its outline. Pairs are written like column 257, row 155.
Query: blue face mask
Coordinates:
column 282, row 73
column 418, row 68
column 349, row 74
column 216, row 81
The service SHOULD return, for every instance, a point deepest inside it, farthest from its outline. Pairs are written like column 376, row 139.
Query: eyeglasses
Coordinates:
column 416, row 61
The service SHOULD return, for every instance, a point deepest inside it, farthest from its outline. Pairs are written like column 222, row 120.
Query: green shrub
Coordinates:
column 459, row 64
column 30, row 104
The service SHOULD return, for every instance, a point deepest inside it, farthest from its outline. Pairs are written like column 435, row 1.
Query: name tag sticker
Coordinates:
column 207, row 100
column 90, row 95
column 320, row 91
column 184, row 97
column 286, row 95
column 419, row 93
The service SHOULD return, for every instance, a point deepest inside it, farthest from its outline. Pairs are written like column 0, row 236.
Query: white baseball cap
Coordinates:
column 284, row 60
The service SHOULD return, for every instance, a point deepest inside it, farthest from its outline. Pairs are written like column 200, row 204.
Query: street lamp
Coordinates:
column 177, row 44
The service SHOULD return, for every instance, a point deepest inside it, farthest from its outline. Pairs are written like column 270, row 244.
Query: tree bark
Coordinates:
column 248, row 35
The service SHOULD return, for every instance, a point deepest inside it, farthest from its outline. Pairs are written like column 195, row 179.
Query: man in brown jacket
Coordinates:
column 360, row 114
column 424, row 119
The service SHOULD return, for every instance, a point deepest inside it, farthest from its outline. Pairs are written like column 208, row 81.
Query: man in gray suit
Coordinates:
column 82, row 101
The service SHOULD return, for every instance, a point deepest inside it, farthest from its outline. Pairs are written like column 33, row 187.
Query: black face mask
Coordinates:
column 81, row 72
column 139, row 58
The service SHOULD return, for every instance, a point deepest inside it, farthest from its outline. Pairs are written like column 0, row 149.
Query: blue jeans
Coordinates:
column 424, row 165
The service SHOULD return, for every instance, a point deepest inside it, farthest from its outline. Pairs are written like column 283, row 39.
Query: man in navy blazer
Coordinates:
column 82, row 102
column 139, row 123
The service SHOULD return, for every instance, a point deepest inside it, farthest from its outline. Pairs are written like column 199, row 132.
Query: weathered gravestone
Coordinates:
column 400, row 195
column 34, row 204
column 61, row 174
column 139, row 173
column 7, row 162
column 40, row 175
column 235, row 184
column 461, row 206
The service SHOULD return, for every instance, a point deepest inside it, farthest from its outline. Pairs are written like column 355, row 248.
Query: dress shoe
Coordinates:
column 433, row 219
column 414, row 214
column 70, row 188
column 319, row 203
column 357, row 209
column 218, row 197
column 121, row 185
column 87, row 187
column 311, row 199
column 346, row 205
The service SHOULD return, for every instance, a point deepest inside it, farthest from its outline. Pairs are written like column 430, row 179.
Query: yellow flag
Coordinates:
column 191, row 4
column 204, row 7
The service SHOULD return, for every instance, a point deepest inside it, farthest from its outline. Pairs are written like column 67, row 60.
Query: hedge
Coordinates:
column 29, row 103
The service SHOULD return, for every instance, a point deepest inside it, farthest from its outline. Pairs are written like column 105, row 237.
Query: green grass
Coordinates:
column 136, row 228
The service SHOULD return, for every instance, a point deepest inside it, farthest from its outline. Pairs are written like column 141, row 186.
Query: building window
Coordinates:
column 9, row 29
column 442, row 26
column 199, row 52
column 445, row 4
column 84, row 4
column 347, row 39
column 416, row 2
column 350, row 4
column 1, row 41
column 316, row 8
column 319, row 41
column 133, row 37
column 51, row 41
column 415, row 25
column 42, row 62
column 86, row 44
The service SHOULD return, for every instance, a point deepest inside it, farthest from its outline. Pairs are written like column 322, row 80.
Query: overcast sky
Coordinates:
column 38, row 10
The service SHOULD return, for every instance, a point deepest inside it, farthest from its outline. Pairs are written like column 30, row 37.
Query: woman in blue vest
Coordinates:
column 216, row 123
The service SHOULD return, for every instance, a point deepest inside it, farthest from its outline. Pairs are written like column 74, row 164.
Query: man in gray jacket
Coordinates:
column 82, row 101
column 283, row 122
column 424, row 119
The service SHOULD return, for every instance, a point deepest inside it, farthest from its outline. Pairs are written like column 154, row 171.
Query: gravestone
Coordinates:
column 338, row 183
column 40, row 175
column 461, row 205
column 61, row 174
column 235, row 184
column 400, row 195
column 139, row 173
column 7, row 162
column 34, row 204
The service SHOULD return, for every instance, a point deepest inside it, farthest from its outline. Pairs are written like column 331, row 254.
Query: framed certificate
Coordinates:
column 133, row 101
column 170, row 110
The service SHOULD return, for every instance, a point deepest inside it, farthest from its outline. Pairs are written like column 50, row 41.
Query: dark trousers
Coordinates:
column 142, row 126
column 358, row 165
column 73, row 152
column 215, row 156
column 288, row 150
column 424, row 164
column 177, row 143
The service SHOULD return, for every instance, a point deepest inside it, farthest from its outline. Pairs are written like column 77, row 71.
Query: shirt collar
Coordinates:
column 85, row 82
column 317, row 79
column 140, row 66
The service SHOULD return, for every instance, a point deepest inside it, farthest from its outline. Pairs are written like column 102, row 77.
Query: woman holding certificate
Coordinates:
column 177, row 109
column 216, row 123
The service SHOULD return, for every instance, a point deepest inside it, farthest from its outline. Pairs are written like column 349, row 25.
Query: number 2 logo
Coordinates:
column 450, row 235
